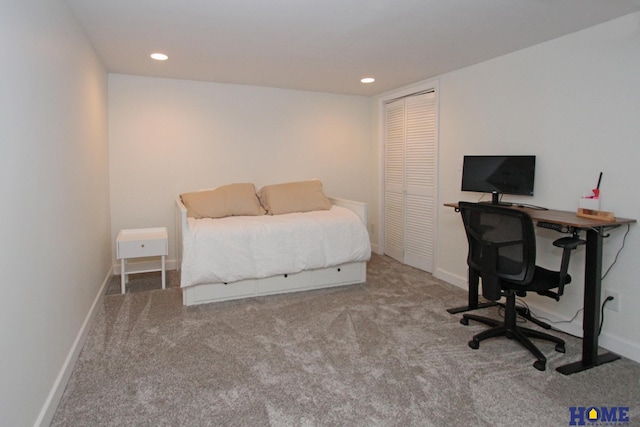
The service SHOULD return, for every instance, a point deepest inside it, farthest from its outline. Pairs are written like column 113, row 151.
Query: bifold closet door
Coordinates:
column 410, row 179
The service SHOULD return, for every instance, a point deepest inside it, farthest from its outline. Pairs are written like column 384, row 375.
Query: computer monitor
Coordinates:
column 499, row 175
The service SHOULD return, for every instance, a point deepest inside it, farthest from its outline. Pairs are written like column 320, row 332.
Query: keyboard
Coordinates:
column 551, row 226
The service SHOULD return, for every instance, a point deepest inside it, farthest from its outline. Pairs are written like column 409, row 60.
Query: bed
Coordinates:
column 266, row 247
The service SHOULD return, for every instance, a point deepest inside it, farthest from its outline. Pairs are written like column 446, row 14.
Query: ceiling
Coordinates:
column 325, row 45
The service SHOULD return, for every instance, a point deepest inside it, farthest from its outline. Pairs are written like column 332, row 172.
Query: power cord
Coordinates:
column 617, row 253
column 609, row 298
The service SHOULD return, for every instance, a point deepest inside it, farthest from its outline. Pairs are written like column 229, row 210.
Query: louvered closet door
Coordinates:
column 410, row 180
column 394, row 180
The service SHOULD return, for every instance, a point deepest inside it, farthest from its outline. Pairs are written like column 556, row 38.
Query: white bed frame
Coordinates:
column 340, row 275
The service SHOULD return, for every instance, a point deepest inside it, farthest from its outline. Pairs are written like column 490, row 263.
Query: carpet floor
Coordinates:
column 382, row 353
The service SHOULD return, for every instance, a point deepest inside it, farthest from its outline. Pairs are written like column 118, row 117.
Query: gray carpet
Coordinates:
column 383, row 353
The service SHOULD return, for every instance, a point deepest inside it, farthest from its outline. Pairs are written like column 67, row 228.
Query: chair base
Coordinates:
column 509, row 329
column 524, row 312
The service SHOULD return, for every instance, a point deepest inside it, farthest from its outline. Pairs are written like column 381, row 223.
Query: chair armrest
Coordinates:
column 569, row 242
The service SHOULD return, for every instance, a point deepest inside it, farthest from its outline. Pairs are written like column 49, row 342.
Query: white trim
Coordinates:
column 55, row 394
column 450, row 278
column 375, row 249
column 607, row 340
column 410, row 90
column 381, row 100
column 621, row 346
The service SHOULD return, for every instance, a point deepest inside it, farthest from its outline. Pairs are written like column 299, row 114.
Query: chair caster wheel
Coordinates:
column 560, row 348
column 464, row 321
column 540, row 365
column 474, row 344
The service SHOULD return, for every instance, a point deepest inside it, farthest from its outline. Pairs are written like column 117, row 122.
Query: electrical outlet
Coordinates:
column 613, row 304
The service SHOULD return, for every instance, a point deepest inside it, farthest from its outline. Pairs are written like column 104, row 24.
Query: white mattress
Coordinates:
column 248, row 247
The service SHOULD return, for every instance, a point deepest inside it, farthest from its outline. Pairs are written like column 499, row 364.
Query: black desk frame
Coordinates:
column 591, row 314
column 595, row 230
column 473, row 301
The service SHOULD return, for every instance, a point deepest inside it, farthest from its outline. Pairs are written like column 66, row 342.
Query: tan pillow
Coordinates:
column 228, row 200
column 301, row 196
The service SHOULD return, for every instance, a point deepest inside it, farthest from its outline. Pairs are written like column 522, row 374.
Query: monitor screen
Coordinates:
column 499, row 174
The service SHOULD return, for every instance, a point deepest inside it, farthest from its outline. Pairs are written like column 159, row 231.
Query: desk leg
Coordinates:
column 473, row 304
column 591, row 314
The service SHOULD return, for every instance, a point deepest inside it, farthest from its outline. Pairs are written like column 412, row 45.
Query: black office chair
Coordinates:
column 502, row 250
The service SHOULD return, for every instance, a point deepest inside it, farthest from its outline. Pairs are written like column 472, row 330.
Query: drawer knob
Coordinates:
column 142, row 245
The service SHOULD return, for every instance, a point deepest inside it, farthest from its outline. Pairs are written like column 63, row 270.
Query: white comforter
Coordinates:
column 242, row 247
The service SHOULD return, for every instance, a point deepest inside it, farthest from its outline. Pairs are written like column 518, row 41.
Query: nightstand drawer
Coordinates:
column 142, row 243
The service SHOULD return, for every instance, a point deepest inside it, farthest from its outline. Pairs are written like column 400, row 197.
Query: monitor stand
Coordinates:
column 495, row 200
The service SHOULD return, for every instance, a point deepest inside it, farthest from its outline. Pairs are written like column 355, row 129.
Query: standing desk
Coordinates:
column 595, row 229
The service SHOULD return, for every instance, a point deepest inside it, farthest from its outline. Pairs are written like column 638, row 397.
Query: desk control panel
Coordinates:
column 552, row 226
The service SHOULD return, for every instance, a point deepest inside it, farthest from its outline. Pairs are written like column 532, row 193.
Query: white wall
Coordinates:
column 169, row 136
column 574, row 103
column 55, row 210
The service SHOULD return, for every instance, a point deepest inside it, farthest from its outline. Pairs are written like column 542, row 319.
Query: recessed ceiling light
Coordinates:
column 368, row 80
column 159, row 56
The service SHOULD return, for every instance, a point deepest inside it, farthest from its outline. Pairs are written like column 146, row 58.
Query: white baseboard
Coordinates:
column 607, row 340
column 621, row 346
column 452, row 279
column 53, row 399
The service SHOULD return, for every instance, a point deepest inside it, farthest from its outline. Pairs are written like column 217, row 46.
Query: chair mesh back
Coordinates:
column 501, row 242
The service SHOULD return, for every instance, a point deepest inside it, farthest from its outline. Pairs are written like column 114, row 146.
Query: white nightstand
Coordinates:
column 141, row 243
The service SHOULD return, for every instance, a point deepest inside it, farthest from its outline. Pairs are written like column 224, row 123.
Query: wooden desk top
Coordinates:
column 564, row 217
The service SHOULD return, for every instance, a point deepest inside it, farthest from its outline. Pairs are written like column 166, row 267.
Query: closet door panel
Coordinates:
column 420, row 180
column 394, row 225
column 419, row 232
column 410, row 179
column 420, row 145
column 394, row 180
